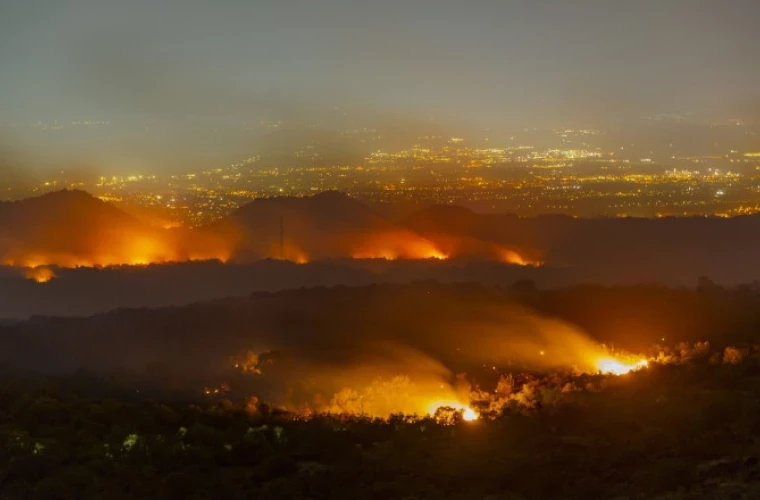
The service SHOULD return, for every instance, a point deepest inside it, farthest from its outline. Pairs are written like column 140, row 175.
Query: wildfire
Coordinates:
column 392, row 255
column 40, row 274
column 145, row 250
column 512, row 257
column 611, row 366
column 394, row 246
column 389, row 254
column 453, row 403
column 289, row 251
column 139, row 248
column 132, row 250
column 137, row 251
column 468, row 414
column 435, row 254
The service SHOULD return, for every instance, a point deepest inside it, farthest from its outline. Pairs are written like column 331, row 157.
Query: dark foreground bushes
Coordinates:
column 687, row 431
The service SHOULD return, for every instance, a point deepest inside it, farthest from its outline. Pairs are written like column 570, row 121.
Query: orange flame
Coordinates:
column 392, row 246
column 289, row 251
column 611, row 366
column 139, row 248
column 468, row 414
column 512, row 257
column 133, row 249
column 40, row 274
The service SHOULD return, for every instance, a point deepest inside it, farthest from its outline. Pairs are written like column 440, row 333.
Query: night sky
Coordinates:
column 484, row 63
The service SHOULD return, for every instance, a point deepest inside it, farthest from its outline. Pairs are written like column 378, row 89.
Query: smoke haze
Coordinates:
column 178, row 82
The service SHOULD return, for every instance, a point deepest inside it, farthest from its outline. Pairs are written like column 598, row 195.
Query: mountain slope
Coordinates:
column 328, row 225
column 641, row 248
column 71, row 228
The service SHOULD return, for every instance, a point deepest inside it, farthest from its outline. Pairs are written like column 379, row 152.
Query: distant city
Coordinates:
column 708, row 170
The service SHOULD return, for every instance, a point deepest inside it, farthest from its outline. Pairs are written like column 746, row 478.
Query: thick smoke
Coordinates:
column 388, row 348
column 16, row 172
column 389, row 370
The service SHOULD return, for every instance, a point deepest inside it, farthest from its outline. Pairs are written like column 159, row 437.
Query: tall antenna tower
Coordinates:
column 282, row 238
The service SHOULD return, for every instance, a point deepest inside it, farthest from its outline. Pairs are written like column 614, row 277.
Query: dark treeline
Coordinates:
column 87, row 291
column 459, row 324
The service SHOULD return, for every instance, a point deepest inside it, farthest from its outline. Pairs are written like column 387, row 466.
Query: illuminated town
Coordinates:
column 570, row 173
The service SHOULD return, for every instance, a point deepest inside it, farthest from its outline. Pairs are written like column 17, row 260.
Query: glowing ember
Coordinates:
column 610, row 366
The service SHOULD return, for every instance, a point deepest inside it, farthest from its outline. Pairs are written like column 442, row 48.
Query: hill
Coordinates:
column 328, row 225
column 644, row 249
column 460, row 231
column 72, row 228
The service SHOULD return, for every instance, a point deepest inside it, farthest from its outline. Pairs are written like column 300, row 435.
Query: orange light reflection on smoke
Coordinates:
column 135, row 250
column 512, row 257
column 397, row 246
column 611, row 366
column 40, row 274
column 289, row 251
column 468, row 414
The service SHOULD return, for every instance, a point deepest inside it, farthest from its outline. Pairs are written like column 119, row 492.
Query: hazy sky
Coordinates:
column 477, row 58
column 489, row 63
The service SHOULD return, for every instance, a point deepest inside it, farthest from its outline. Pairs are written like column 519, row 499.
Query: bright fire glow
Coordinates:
column 131, row 249
column 611, row 366
column 40, row 274
column 512, row 257
column 392, row 254
column 289, row 251
column 392, row 246
column 138, row 248
column 468, row 414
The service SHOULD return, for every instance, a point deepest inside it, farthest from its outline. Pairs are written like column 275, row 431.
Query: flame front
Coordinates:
column 128, row 249
column 139, row 248
column 611, row 366
column 512, row 257
column 468, row 414
column 40, row 274
column 392, row 246
column 289, row 250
